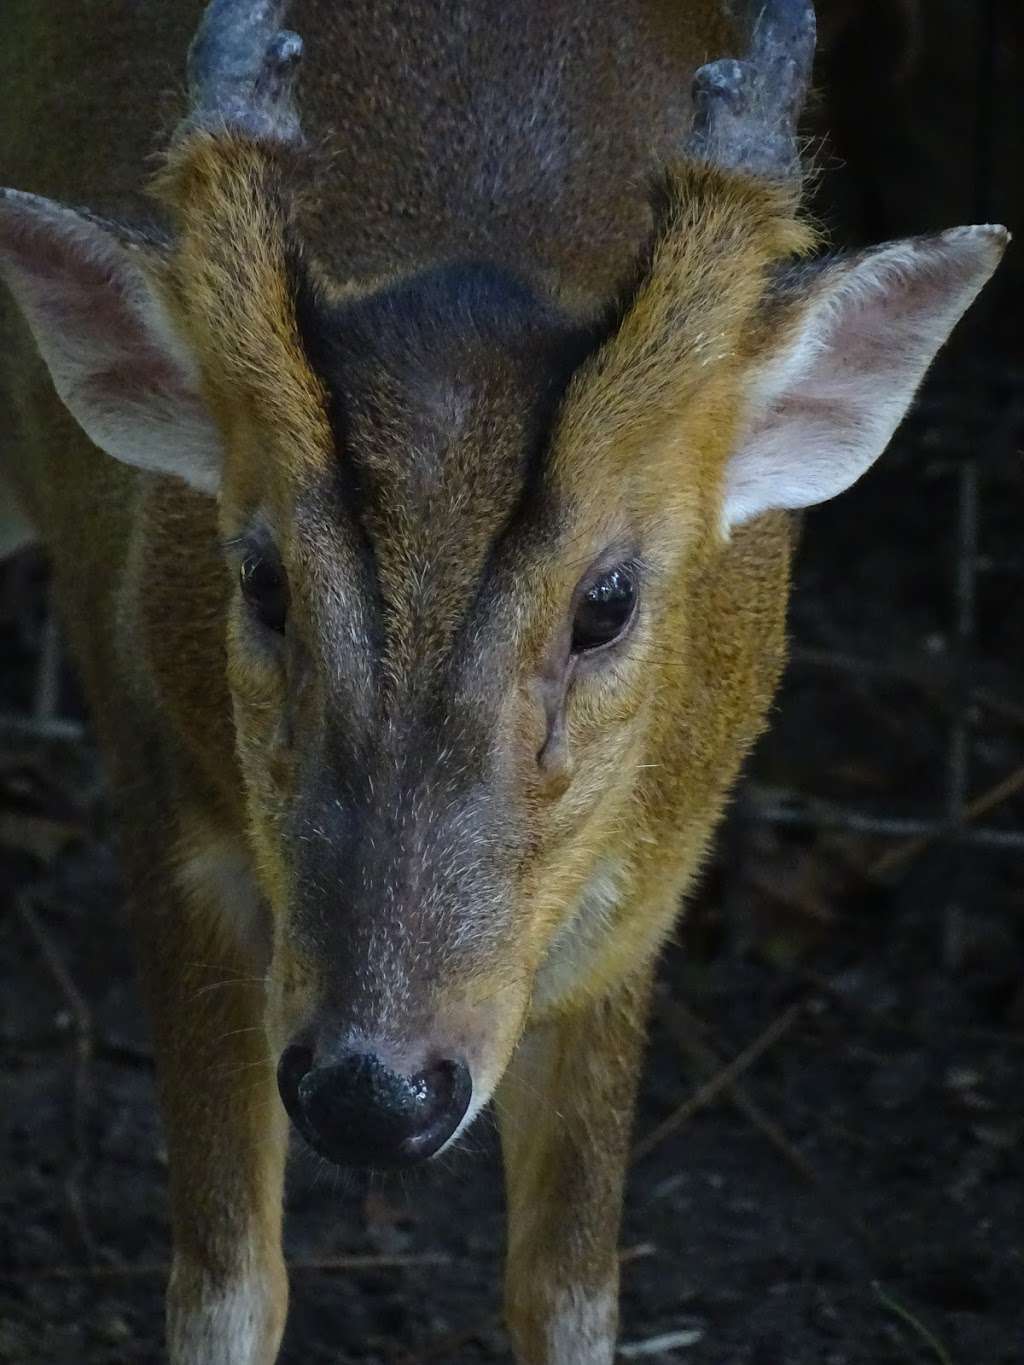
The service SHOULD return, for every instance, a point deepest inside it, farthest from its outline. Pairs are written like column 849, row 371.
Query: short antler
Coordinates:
column 745, row 113
column 241, row 70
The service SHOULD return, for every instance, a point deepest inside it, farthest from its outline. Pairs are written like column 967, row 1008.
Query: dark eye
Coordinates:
column 265, row 588
column 604, row 611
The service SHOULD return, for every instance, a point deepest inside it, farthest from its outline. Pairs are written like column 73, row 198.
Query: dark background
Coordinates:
column 850, row 1191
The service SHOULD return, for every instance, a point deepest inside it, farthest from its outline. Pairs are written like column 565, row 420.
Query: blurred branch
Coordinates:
column 899, row 856
column 721, row 1083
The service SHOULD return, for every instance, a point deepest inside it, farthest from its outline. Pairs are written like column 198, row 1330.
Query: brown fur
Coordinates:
column 418, row 157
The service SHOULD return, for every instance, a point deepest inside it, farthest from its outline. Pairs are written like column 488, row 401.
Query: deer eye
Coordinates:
column 265, row 588
column 604, row 611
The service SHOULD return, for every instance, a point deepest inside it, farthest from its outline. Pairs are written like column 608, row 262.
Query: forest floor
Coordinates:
column 851, row 1192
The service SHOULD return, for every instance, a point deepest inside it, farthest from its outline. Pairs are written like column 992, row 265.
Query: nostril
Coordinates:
column 296, row 1062
column 446, row 1089
column 360, row 1112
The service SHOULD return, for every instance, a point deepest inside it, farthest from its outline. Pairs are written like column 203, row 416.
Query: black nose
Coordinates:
column 358, row 1112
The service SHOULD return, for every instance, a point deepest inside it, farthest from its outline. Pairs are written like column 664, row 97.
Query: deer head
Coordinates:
column 487, row 690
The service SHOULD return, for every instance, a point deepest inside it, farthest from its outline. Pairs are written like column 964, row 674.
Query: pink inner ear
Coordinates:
column 70, row 269
column 115, row 361
column 146, row 374
column 828, row 405
column 70, row 275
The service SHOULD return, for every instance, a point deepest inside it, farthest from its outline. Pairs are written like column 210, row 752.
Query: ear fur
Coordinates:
column 826, row 403
column 114, row 356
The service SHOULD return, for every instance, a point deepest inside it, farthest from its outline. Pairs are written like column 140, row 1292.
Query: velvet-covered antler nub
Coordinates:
column 745, row 112
column 242, row 67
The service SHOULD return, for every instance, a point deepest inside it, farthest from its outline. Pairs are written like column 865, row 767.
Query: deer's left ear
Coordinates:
column 829, row 398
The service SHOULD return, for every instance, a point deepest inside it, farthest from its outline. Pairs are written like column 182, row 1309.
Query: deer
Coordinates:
column 419, row 460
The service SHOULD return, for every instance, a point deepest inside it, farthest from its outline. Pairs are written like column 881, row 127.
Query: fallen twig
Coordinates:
column 684, row 1029
column 720, row 1083
column 905, row 1315
column 666, row 1341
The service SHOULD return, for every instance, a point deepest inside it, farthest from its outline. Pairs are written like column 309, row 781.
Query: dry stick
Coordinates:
column 83, row 1061
column 903, row 853
column 684, row 1027
column 905, row 1315
column 719, row 1083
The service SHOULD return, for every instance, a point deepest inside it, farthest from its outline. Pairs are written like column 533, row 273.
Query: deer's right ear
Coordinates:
column 116, row 361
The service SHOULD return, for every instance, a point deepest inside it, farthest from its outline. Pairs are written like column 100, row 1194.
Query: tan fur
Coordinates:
column 538, row 863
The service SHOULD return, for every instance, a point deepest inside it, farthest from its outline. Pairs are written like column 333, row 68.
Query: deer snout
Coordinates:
column 359, row 1110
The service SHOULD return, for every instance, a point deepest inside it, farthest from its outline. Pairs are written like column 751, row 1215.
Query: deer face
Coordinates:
column 469, row 541
column 400, row 649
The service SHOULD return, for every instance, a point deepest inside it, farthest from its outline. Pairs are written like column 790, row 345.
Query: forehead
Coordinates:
column 442, row 391
column 441, row 378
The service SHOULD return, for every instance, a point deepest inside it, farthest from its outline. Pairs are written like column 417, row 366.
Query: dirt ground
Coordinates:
column 850, row 1191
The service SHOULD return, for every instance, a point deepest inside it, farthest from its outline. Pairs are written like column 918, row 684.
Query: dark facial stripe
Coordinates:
column 471, row 336
column 311, row 314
